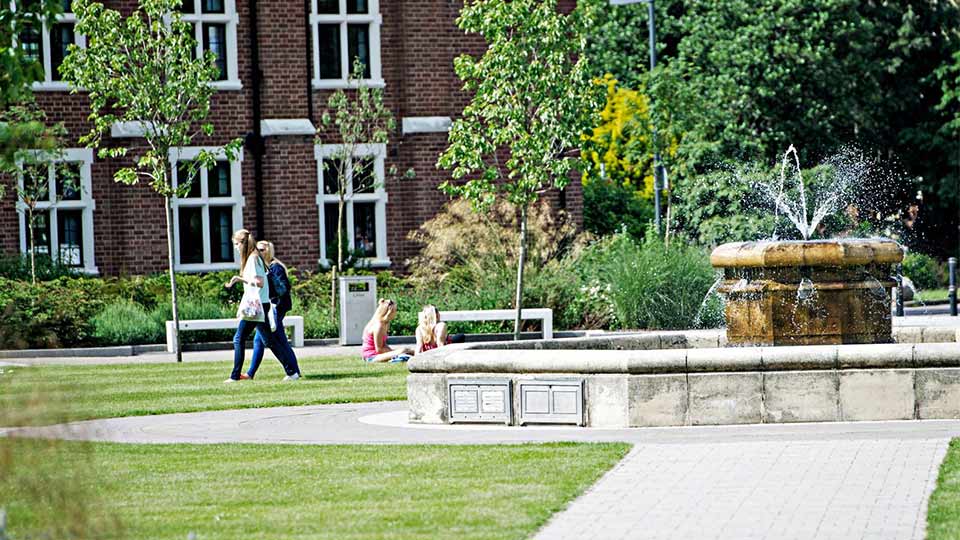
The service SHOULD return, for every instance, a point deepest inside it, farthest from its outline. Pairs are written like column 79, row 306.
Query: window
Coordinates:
column 207, row 216
column 215, row 29
column 50, row 44
column 344, row 30
column 365, row 212
column 63, row 222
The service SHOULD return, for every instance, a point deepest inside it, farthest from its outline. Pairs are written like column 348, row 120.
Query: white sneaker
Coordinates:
column 230, row 381
column 293, row 377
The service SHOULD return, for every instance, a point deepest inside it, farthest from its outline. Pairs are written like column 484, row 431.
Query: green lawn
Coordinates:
column 84, row 392
column 291, row 491
column 932, row 295
column 943, row 513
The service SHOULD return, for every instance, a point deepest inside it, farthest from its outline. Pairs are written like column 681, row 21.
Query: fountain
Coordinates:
column 807, row 292
column 809, row 338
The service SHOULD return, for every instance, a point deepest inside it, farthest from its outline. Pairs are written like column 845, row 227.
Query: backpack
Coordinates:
column 279, row 285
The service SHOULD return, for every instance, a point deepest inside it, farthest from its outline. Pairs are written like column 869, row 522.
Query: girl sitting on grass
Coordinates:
column 375, row 336
column 431, row 333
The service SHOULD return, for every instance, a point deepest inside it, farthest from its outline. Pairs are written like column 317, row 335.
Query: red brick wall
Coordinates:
column 418, row 44
column 291, row 216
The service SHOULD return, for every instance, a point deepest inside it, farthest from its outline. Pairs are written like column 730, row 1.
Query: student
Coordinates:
column 279, row 286
column 375, row 336
column 253, row 273
column 431, row 333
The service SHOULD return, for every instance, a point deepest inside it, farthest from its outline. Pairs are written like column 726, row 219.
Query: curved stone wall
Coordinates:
column 684, row 378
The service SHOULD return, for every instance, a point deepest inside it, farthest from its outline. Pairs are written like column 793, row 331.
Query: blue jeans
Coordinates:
column 244, row 329
column 278, row 344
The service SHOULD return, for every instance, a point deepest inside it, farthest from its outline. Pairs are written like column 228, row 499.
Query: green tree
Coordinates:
column 359, row 119
column 532, row 98
column 745, row 79
column 30, row 167
column 143, row 69
column 22, row 129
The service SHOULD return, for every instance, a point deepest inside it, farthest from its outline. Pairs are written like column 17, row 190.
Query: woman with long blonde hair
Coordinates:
column 253, row 273
column 279, row 287
column 431, row 332
column 375, row 336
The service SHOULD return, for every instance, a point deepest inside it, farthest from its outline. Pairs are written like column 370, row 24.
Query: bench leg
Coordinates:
column 171, row 338
column 298, row 335
column 548, row 327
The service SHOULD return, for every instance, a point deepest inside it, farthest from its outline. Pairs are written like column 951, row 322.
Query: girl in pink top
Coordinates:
column 431, row 333
column 375, row 336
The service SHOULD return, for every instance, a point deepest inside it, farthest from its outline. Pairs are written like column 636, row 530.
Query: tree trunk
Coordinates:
column 340, row 231
column 520, row 263
column 333, row 293
column 33, row 249
column 173, row 280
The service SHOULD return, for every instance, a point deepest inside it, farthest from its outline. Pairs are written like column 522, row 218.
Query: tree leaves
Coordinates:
column 532, row 100
column 142, row 69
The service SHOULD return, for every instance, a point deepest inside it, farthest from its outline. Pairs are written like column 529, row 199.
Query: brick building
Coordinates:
column 276, row 187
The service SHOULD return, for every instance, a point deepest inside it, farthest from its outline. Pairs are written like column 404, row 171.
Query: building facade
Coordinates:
column 271, row 95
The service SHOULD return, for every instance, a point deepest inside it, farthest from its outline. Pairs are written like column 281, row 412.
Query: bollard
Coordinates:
column 899, row 290
column 952, row 291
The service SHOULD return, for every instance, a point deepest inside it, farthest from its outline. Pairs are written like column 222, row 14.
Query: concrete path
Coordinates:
column 188, row 356
column 831, row 480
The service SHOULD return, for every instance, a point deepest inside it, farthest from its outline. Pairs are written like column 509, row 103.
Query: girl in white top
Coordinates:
column 253, row 273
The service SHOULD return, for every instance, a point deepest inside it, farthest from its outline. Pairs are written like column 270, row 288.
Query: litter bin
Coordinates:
column 358, row 301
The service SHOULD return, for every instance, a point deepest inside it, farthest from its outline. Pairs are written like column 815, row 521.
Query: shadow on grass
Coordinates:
column 353, row 375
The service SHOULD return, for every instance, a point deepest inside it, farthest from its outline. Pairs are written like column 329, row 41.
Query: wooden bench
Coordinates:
column 543, row 314
column 296, row 321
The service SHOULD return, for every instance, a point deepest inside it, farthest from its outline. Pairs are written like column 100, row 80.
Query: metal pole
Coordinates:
column 952, row 291
column 899, row 290
column 657, row 167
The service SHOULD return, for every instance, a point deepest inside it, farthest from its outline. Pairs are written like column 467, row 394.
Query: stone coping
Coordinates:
column 839, row 252
column 579, row 358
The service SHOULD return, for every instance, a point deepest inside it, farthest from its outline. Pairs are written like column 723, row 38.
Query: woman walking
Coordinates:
column 279, row 287
column 253, row 274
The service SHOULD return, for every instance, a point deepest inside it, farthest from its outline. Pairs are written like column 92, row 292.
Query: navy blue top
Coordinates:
column 279, row 288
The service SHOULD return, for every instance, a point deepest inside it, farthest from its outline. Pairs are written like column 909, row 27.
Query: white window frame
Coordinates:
column 379, row 196
column 228, row 17
column 374, row 19
column 236, row 199
column 83, row 156
column 48, row 84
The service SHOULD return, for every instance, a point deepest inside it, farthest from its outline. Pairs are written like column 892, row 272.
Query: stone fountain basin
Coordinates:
column 839, row 252
column 689, row 378
column 847, row 281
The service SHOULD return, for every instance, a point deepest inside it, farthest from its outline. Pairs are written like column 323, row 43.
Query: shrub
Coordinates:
column 610, row 208
column 718, row 207
column 126, row 323
column 51, row 314
column 477, row 243
column 925, row 271
column 18, row 267
column 190, row 308
column 646, row 285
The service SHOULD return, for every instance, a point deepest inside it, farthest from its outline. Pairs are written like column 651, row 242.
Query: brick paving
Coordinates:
column 843, row 489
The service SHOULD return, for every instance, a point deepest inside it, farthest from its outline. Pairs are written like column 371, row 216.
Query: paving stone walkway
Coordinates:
column 840, row 489
column 863, row 480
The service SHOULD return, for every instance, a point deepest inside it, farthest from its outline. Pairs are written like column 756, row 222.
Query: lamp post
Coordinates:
column 657, row 165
